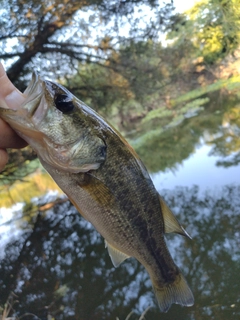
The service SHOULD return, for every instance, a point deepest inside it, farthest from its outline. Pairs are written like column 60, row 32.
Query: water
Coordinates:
column 53, row 263
column 199, row 169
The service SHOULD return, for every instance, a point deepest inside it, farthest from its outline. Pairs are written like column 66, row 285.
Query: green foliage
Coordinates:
column 99, row 86
column 127, row 86
column 141, row 64
column 158, row 113
column 212, row 26
column 21, row 163
column 55, row 36
column 230, row 84
column 172, row 115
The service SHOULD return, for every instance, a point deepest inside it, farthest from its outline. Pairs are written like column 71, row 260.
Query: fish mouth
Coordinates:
column 33, row 94
column 33, row 83
column 24, row 115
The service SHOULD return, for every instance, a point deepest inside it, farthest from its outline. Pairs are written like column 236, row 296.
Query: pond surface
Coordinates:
column 54, row 265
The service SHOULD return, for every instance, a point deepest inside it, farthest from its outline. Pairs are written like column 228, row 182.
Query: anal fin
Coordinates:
column 171, row 224
column 116, row 255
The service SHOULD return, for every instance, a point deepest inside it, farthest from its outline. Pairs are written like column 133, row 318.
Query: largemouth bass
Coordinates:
column 105, row 180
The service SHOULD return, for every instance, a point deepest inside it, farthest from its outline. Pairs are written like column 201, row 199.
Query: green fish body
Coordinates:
column 105, row 180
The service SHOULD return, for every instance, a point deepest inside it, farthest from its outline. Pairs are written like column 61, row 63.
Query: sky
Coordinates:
column 183, row 5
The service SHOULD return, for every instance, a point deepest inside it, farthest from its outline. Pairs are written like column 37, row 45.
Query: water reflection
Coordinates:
column 202, row 168
column 52, row 262
column 61, row 267
column 162, row 148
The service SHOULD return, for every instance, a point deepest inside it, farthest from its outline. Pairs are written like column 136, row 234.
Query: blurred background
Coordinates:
column 166, row 74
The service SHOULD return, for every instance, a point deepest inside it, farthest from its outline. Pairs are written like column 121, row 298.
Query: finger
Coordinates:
column 3, row 159
column 9, row 92
column 9, row 138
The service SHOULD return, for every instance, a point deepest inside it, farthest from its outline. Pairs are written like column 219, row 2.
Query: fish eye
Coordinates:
column 63, row 103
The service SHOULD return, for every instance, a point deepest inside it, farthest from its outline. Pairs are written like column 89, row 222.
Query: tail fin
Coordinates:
column 177, row 292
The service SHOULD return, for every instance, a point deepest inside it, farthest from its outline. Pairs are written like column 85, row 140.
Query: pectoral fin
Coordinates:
column 170, row 222
column 97, row 190
column 116, row 256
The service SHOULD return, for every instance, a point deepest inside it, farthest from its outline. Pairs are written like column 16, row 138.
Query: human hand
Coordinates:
column 13, row 98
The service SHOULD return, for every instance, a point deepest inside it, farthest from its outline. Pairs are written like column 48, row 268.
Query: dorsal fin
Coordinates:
column 171, row 224
column 116, row 255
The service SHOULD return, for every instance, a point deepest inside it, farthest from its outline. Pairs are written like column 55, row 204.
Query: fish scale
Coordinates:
column 105, row 180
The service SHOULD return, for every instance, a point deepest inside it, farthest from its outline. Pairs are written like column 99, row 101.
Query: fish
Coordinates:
column 105, row 180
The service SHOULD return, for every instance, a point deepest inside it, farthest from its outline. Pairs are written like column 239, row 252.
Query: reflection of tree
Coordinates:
column 163, row 149
column 18, row 166
column 227, row 144
column 212, row 262
column 233, row 161
column 63, row 268
column 228, row 147
column 64, row 254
